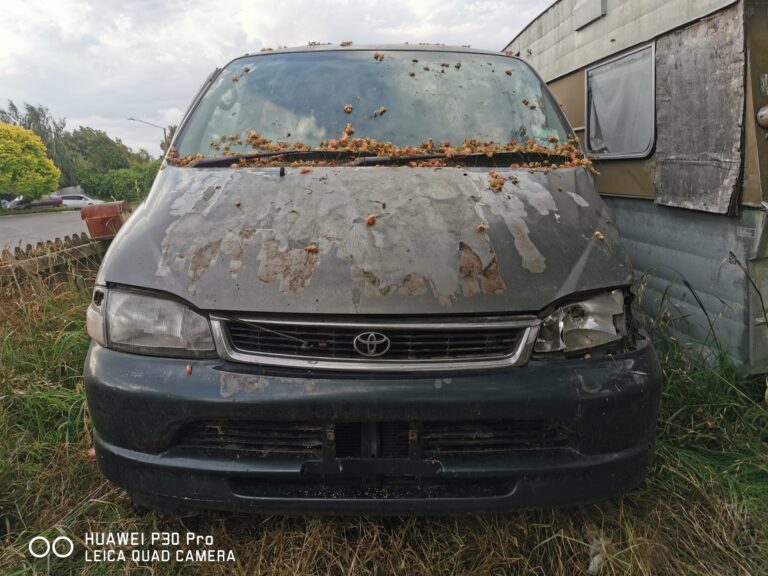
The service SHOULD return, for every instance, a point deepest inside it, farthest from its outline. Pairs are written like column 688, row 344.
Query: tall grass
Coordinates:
column 703, row 511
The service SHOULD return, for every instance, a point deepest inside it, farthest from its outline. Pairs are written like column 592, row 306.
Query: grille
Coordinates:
column 304, row 440
column 286, row 439
column 489, row 437
column 330, row 342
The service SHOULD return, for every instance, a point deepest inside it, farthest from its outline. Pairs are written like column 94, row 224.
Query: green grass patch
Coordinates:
column 702, row 511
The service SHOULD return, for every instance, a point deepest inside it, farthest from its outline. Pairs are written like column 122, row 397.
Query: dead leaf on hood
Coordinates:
column 496, row 181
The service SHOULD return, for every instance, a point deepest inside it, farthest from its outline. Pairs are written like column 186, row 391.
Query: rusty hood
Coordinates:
column 443, row 240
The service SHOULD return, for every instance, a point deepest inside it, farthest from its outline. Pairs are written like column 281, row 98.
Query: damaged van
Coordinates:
column 371, row 280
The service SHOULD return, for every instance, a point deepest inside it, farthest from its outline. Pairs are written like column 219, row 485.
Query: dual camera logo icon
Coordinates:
column 62, row 547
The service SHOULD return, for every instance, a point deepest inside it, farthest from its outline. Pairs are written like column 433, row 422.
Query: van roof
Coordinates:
column 421, row 47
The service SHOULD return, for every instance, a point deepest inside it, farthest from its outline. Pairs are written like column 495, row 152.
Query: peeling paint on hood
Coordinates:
column 442, row 240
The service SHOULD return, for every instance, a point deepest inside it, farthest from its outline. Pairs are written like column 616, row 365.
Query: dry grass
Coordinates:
column 703, row 511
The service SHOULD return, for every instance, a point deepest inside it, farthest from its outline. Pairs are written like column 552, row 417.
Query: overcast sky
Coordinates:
column 97, row 62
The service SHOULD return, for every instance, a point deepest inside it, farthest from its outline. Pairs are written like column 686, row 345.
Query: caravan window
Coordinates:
column 620, row 106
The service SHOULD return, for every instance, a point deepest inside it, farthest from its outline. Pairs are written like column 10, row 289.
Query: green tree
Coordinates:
column 98, row 151
column 50, row 130
column 24, row 166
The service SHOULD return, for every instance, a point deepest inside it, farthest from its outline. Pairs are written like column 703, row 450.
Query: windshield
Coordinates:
column 398, row 96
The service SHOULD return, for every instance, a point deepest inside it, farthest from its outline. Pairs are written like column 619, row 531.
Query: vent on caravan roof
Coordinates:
column 587, row 11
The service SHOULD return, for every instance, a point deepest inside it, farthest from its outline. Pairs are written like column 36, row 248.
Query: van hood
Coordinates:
column 443, row 240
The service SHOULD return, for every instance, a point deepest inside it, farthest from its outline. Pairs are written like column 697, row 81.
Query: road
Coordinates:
column 31, row 228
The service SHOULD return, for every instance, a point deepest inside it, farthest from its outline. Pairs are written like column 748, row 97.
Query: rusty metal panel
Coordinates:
column 700, row 113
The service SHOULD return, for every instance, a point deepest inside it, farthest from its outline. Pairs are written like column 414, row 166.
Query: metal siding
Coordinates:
column 553, row 48
column 668, row 244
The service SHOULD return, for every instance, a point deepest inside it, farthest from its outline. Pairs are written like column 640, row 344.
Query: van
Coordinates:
column 371, row 279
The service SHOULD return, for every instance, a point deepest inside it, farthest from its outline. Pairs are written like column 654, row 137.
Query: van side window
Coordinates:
column 620, row 106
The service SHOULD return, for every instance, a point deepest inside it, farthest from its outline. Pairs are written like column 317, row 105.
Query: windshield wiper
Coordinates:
column 498, row 159
column 292, row 155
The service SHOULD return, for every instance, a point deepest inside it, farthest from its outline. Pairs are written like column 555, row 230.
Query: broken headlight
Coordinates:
column 583, row 325
column 145, row 324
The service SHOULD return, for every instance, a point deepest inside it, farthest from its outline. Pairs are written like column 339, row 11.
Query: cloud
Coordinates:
column 97, row 62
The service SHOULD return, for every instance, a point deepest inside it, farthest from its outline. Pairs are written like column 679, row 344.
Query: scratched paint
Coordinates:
column 418, row 231
column 237, row 239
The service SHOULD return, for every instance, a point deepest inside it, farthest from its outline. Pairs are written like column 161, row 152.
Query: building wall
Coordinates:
column 554, row 48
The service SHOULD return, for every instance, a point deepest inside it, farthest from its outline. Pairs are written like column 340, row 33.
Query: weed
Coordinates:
column 703, row 510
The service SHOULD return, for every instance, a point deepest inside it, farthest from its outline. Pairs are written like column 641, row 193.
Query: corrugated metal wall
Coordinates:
column 668, row 245
column 554, row 48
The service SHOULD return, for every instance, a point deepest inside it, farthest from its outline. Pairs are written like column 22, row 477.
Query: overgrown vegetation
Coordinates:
column 703, row 511
column 105, row 167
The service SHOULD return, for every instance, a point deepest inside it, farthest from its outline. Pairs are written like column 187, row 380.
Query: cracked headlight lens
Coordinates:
column 145, row 324
column 583, row 325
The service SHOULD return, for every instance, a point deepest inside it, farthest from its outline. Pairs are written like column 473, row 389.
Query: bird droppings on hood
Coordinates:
column 231, row 383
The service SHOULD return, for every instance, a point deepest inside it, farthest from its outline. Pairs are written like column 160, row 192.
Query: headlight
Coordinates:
column 584, row 325
column 138, row 322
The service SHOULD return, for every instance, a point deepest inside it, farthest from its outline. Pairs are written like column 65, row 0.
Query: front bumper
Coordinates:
column 608, row 406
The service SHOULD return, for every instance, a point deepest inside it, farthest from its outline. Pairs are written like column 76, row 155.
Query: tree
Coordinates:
column 51, row 131
column 98, row 151
column 169, row 133
column 24, row 166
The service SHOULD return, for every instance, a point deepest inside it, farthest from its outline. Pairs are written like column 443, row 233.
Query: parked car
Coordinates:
column 6, row 198
column 22, row 203
column 77, row 201
column 324, row 306
column 46, row 202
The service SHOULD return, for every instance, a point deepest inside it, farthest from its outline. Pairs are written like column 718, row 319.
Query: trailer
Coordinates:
column 670, row 98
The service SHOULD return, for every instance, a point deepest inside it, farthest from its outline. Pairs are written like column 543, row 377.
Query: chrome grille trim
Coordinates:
column 529, row 330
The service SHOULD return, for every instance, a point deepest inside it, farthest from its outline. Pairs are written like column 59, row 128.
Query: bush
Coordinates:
column 131, row 184
column 24, row 167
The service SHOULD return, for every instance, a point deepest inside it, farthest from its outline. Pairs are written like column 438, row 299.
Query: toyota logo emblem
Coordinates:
column 371, row 344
